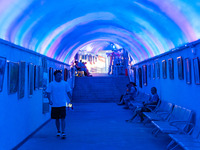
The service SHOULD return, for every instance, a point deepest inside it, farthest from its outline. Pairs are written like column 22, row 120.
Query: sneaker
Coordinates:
column 58, row 133
column 126, row 107
column 128, row 120
column 63, row 135
column 120, row 104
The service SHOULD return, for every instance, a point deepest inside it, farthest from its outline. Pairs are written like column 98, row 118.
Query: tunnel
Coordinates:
column 103, row 49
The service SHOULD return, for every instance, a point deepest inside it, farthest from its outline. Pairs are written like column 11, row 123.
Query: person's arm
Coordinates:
column 69, row 95
column 49, row 98
column 153, row 101
column 68, row 91
column 132, row 90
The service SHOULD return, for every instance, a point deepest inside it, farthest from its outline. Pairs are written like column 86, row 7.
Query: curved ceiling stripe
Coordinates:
column 100, row 37
column 116, row 33
column 9, row 11
column 59, row 29
column 76, row 48
column 177, row 16
column 67, row 27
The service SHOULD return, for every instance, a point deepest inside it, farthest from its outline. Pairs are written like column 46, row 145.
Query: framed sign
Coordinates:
column 171, row 68
column 180, row 68
column 50, row 74
column 144, row 74
column 40, row 75
column 30, row 79
column 134, row 74
column 140, row 76
column 154, row 71
column 149, row 71
column 44, row 64
column 188, row 70
column 21, row 91
column 158, row 69
column 196, row 70
column 65, row 74
column 13, row 77
column 36, row 77
column 164, row 69
column 2, row 71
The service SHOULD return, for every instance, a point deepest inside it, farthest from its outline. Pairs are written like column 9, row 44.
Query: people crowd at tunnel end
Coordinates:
column 81, row 69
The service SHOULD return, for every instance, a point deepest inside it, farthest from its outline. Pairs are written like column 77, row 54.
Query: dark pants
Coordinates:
column 121, row 98
column 140, row 112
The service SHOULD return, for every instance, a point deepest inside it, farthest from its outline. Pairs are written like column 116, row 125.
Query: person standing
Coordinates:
column 59, row 93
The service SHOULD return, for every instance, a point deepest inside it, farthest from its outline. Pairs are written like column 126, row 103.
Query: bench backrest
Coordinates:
column 196, row 130
column 142, row 97
column 180, row 114
column 175, row 113
column 164, row 107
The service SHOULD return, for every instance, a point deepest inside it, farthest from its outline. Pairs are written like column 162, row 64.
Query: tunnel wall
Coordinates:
column 172, row 90
column 21, row 117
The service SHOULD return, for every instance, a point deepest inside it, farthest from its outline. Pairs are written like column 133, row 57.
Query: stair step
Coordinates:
column 99, row 89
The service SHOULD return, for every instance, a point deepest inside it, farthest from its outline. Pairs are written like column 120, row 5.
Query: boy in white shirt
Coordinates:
column 59, row 93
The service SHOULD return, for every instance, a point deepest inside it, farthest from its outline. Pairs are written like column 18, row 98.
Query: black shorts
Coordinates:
column 58, row 112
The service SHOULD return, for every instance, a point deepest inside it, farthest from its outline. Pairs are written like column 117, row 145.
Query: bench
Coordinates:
column 189, row 141
column 138, row 100
column 161, row 112
column 177, row 121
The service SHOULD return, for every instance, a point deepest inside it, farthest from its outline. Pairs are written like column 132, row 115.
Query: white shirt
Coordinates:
column 58, row 92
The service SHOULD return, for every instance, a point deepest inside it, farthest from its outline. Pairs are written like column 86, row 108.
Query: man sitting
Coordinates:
column 146, row 106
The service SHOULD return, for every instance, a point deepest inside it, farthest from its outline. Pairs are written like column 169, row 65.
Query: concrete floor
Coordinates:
column 95, row 126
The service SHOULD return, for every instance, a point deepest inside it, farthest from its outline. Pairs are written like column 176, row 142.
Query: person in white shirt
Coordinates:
column 59, row 93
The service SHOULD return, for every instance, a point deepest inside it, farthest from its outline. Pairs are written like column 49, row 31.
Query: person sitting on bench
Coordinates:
column 130, row 93
column 146, row 106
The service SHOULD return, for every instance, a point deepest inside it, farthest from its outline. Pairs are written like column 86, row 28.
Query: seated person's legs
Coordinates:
column 121, row 101
column 127, row 100
column 144, row 109
column 136, row 112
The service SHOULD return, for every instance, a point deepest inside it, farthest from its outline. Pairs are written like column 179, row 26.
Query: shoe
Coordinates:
column 63, row 135
column 128, row 120
column 120, row 104
column 58, row 133
column 125, row 107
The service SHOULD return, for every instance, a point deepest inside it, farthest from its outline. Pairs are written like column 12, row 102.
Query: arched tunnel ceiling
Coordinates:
column 58, row 29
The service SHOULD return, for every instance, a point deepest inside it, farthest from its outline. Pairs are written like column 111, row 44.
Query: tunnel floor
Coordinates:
column 93, row 126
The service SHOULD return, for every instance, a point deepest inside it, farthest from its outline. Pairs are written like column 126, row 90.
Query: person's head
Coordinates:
column 80, row 61
column 58, row 75
column 132, row 84
column 153, row 90
column 128, row 85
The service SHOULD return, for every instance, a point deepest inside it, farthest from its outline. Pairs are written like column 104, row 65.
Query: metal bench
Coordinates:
column 138, row 100
column 177, row 121
column 189, row 141
column 161, row 112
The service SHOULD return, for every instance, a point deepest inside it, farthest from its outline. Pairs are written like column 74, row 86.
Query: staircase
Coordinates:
column 99, row 89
